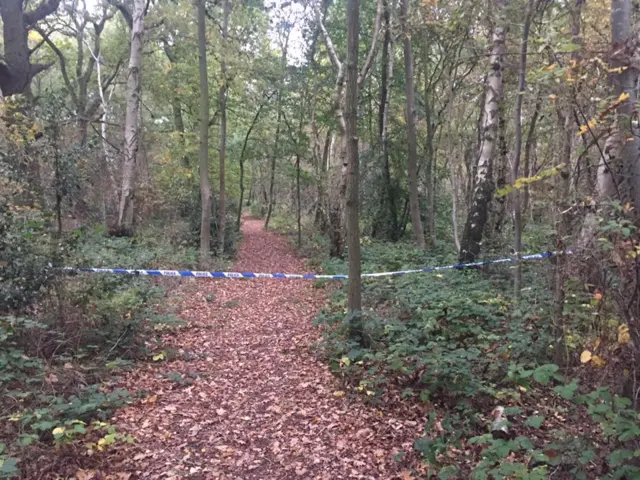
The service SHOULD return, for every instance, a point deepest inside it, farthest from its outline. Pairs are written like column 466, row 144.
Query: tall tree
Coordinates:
column 412, row 153
column 517, row 117
column 16, row 69
column 205, row 184
column 222, row 213
column 353, row 168
column 471, row 241
column 338, row 202
column 132, row 119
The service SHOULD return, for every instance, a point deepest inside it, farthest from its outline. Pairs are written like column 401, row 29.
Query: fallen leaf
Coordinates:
column 585, row 356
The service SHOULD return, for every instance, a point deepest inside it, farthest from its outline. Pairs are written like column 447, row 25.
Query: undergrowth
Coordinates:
column 64, row 338
column 456, row 342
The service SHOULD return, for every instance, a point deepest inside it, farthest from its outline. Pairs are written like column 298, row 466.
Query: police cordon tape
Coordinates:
column 309, row 276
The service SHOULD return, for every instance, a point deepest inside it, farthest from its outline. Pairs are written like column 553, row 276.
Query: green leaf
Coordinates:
column 618, row 457
column 8, row 466
column 567, row 391
column 535, row 421
column 447, row 472
column 544, row 373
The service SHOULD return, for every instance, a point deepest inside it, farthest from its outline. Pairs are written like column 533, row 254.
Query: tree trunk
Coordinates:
column 283, row 63
column 205, row 184
column 477, row 216
column 298, row 204
column 528, row 148
column 274, row 155
column 132, row 121
column 351, row 117
column 222, row 213
column 515, row 169
column 16, row 69
column 430, row 177
column 412, row 169
column 386, row 224
column 625, row 45
column 242, row 154
column 454, row 163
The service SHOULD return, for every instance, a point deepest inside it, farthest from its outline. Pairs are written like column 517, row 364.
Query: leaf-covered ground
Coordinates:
column 243, row 396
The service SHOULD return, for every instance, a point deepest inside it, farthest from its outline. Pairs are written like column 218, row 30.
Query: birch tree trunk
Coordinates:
column 131, row 121
column 471, row 242
column 412, row 154
column 205, row 184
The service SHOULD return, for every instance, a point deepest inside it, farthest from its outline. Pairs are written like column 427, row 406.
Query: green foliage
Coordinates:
column 457, row 341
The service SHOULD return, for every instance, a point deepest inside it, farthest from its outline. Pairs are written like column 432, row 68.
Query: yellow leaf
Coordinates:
column 585, row 356
column 346, row 361
column 623, row 96
column 624, row 337
column 552, row 67
column 597, row 362
column 596, row 344
column 339, row 393
column 58, row 431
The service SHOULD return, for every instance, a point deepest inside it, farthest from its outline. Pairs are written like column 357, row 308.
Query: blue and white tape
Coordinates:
column 307, row 276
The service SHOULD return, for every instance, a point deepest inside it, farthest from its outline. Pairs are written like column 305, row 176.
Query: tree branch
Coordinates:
column 43, row 10
column 63, row 64
column 372, row 51
column 124, row 11
column 327, row 40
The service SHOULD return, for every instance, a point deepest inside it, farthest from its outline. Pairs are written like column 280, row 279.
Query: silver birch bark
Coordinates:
column 132, row 121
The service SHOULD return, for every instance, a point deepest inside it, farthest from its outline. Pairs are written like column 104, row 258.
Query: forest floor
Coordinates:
column 246, row 397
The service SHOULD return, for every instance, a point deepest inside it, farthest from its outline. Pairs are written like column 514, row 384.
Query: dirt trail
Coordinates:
column 245, row 398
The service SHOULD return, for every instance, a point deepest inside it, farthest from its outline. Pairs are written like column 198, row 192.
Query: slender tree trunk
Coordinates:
column 132, row 121
column 222, row 213
column 528, row 148
column 515, row 169
column 430, row 177
column 179, row 126
column 454, row 164
column 205, row 184
column 274, row 155
column 298, row 205
column 283, row 62
column 242, row 154
column 386, row 224
column 477, row 216
column 412, row 154
column 351, row 117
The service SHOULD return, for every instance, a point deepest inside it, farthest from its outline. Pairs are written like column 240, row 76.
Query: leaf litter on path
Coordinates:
column 259, row 404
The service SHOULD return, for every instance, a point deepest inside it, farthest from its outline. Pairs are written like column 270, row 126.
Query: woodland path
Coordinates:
column 259, row 404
